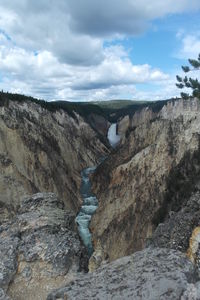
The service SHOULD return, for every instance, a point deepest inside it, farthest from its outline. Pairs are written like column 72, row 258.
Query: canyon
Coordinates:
column 145, row 231
column 44, row 151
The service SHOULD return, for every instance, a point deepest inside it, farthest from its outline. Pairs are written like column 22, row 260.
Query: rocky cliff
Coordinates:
column 40, row 249
column 152, row 173
column 43, row 151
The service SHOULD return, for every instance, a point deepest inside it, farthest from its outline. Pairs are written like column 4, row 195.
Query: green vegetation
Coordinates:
column 118, row 104
column 119, row 108
column 111, row 110
column 82, row 108
column 188, row 82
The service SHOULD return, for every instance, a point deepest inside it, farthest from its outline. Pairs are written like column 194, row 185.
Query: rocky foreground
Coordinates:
column 40, row 249
column 151, row 274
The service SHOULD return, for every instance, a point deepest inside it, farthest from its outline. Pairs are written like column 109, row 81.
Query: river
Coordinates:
column 90, row 202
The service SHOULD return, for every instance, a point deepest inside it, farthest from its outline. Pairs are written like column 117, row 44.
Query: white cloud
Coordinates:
column 40, row 71
column 74, row 30
column 165, row 90
column 123, row 16
column 43, row 25
column 190, row 47
column 117, row 71
column 55, row 49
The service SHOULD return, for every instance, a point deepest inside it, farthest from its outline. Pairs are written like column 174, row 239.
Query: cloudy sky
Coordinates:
column 80, row 50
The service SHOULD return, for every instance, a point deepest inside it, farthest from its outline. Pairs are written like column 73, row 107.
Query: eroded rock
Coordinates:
column 151, row 274
column 181, row 230
column 44, row 151
column 40, row 248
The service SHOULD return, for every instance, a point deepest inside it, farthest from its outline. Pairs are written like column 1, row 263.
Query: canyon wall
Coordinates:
column 43, row 151
column 153, row 171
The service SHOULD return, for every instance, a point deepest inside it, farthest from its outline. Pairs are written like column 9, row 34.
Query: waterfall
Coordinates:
column 113, row 137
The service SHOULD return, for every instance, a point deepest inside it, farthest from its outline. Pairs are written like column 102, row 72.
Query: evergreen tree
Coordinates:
column 189, row 82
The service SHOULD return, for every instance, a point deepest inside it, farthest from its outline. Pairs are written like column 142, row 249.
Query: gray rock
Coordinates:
column 177, row 229
column 39, row 245
column 192, row 292
column 8, row 259
column 3, row 296
column 151, row 274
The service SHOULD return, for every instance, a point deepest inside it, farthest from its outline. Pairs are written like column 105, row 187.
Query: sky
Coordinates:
column 85, row 50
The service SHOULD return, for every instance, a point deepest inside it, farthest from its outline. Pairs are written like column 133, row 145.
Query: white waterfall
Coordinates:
column 113, row 137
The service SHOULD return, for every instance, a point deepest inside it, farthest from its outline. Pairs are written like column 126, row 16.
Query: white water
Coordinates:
column 113, row 137
column 90, row 204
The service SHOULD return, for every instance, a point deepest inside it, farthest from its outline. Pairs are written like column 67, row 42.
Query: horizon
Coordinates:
column 96, row 51
column 90, row 101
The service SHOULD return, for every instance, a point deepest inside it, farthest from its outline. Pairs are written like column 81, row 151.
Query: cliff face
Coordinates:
column 43, row 151
column 128, row 123
column 153, row 172
column 99, row 123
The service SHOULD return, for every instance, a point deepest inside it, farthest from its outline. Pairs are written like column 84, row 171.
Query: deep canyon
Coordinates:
column 143, row 232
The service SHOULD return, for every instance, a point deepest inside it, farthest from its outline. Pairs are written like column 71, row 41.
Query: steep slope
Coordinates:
column 43, row 151
column 154, row 171
column 181, row 229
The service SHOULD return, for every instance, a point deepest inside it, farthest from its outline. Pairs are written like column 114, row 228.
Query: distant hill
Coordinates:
column 119, row 108
column 118, row 104
column 112, row 110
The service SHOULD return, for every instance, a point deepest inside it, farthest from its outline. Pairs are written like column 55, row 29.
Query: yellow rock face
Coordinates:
column 133, row 182
column 194, row 244
column 43, row 151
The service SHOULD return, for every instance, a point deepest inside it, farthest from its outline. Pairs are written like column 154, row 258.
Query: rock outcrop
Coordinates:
column 129, row 123
column 99, row 124
column 43, row 151
column 151, row 274
column 40, row 249
column 178, row 227
column 181, row 230
column 152, row 173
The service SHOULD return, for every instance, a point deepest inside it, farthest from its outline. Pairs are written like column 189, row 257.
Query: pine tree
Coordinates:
column 189, row 82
